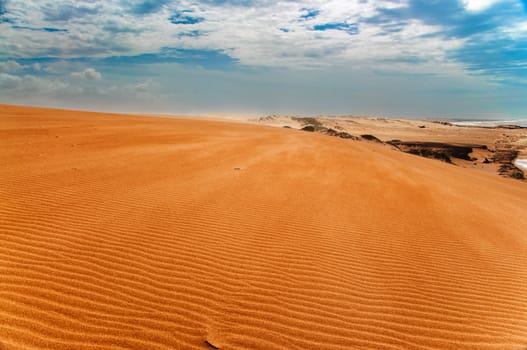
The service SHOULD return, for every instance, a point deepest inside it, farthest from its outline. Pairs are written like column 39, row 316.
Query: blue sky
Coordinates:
column 403, row 58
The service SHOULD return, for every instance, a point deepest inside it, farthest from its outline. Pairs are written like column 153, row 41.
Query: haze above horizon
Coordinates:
column 400, row 58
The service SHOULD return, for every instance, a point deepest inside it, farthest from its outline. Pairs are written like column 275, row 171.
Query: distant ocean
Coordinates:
column 520, row 163
column 490, row 123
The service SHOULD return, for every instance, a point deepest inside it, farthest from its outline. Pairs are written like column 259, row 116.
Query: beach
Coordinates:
column 136, row 232
column 491, row 147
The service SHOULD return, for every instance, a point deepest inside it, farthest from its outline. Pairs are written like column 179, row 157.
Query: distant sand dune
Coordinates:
column 126, row 232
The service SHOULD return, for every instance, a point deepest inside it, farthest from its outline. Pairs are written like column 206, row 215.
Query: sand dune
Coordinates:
column 127, row 232
column 493, row 148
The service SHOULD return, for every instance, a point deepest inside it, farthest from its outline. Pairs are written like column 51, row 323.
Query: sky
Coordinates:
column 389, row 58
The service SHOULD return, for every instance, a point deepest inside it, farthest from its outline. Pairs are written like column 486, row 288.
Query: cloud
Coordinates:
column 191, row 34
column 350, row 28
column 461, row 39
column 479, row 5
column 51, row 91
column 67, row 11
column 13, row 85
column 3, row 13
column 452, row 18
column 182, row 17
column 9, row 66
column 145, row 86
column 87, row 74
column 121, row 26
column 498, row 57
column 491, row 36
column 246, row 3
column 209, row 59
column 10, row 82
column 147, row 7
column 309, row 13
column 426, row 29
column 233, row 27
column 43, row 29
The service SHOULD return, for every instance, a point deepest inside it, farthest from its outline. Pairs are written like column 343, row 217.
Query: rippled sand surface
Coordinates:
column 128, row 232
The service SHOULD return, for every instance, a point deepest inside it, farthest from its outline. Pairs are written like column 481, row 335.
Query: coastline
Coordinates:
column 521, row 163
column 490, row 148
column 520, row 123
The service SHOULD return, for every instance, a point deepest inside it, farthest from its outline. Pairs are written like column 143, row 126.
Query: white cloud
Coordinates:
column 479, row 5
column 10, row 66
column 127, row 96
column 247, row 33
column 389, row 44
column 87, row 74
column 145, row 86
column 25, row 85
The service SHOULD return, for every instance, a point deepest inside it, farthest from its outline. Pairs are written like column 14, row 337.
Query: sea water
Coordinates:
column 491, row 123
column 521, row 163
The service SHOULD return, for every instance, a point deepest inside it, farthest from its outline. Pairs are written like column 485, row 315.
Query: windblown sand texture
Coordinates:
column 496, row 139
column 127, row 232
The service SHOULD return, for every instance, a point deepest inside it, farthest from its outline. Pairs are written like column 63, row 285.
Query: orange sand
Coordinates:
column 127, row 232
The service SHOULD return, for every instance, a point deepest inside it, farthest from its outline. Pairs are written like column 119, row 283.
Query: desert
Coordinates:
column 142, row 232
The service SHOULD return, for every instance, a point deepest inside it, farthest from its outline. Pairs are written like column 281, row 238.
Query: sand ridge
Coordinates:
column 128, row 232
column 494, row 149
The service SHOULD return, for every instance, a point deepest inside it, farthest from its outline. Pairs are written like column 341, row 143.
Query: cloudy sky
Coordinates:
column 413, row 58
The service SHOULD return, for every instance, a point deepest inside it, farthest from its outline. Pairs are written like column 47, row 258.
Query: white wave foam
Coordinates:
column 521, row 163
column 490, row 123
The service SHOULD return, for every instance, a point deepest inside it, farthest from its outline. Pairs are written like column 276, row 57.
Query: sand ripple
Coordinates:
column 147, row 233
